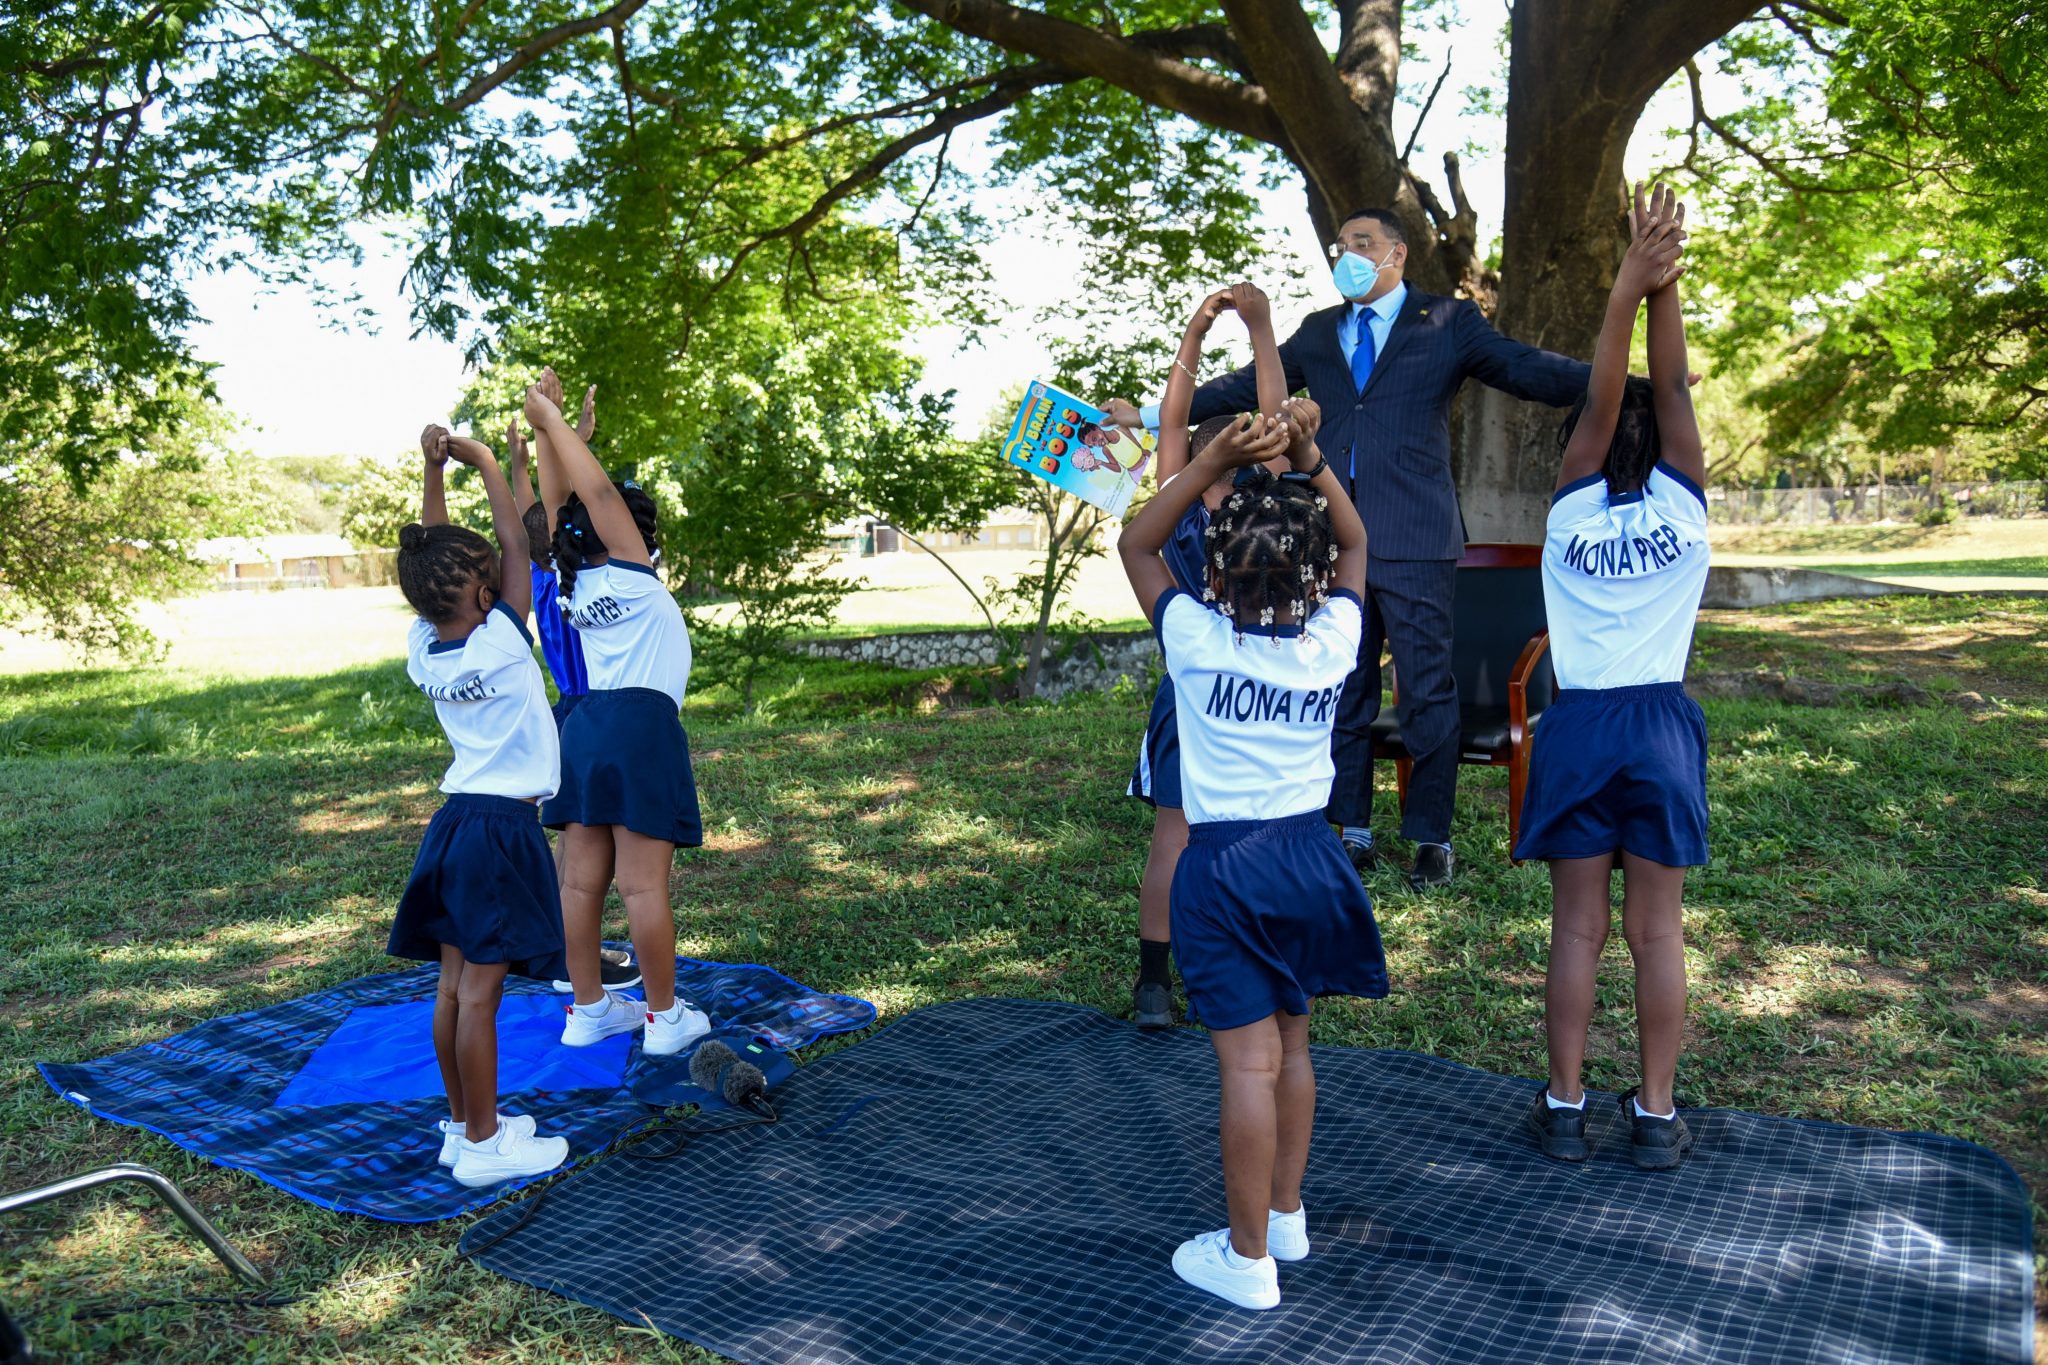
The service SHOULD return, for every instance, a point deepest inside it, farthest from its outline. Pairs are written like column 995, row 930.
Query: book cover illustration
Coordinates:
column 1073, row 446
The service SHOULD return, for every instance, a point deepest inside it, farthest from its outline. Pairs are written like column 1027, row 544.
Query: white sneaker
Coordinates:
column 507, row 1155
column 668, row 1034
column 618, row 1016
column 1287, row 1234
column 1206, row 1263
column 451, row 1133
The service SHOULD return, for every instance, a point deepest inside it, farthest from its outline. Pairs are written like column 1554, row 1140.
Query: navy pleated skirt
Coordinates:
column 626, row 761
column 1268, row 915
column 484, row 882
column 1618, row 769
column 1156, row 779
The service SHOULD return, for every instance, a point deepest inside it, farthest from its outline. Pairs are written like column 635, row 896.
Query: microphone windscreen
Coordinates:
column 744, row 1083
column 709, row 1059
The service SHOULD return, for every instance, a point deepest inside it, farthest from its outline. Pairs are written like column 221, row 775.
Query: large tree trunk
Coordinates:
column 1579, row 74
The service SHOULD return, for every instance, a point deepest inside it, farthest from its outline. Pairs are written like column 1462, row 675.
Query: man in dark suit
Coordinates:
column 1384, row 366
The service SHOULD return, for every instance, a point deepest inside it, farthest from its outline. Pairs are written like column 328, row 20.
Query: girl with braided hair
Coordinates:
column 628, row 797
column 481, row 900
column 1155, row 779
column 1266, row 911
column 1619, row 776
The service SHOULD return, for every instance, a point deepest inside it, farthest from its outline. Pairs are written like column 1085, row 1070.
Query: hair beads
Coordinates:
column 1276, row 553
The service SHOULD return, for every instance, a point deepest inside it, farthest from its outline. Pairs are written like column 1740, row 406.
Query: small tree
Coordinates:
column 383, row 496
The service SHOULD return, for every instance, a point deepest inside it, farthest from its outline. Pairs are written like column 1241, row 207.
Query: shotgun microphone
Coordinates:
column 717, row 1068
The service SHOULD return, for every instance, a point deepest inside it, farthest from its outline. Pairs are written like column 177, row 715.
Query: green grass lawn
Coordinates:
column 1870, row 944
column 2017, row 566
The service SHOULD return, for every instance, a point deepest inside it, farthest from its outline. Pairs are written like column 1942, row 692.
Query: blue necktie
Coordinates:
column 1362, row 357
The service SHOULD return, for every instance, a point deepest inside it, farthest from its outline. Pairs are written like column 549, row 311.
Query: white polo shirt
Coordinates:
column 1255, row 711
column 487, row 692
column 1622, row 579
column 632, row 630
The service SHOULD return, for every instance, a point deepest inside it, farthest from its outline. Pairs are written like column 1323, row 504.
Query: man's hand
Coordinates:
column 515, row 445
column 540, row 408
column 434, row 445
column 1123, row 412
column 463, row 450
column 1251, row 304
column 1250, row 440
column 1303, row 419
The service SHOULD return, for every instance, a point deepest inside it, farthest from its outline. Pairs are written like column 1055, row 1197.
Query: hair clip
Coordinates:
column 1266, row 617
column 1322, row 503
column 1208, row 593
column 1333, row 554
column 628, row 483
column 576, row 531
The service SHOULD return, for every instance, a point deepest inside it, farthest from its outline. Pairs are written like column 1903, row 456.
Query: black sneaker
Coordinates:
column 615, row 968
column 1433, row 867
column 1657, row 1144
column 1560, row 1132
column 1152, row 1005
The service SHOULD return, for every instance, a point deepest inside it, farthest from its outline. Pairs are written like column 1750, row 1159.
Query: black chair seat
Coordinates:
column 1482, row 730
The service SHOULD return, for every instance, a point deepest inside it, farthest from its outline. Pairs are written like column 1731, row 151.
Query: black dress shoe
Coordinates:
column 615, row 968
column 1433, row 867
column 1364, row 857
column 1656, row 1144
column 1152, row 1005
column 1560, row 1132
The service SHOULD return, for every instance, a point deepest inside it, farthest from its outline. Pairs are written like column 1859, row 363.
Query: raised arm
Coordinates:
column 515, row 456
column 1652, row 257
column 1180, row 387
column 515, row 575
column 433, row 489
column 554, row 484
column 1268, row 371
column 1247, row 443
column 1304, row 420
column 1678, row 428
column 613, row 523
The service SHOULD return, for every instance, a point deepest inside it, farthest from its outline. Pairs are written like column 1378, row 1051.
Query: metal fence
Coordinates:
column 1862, row 503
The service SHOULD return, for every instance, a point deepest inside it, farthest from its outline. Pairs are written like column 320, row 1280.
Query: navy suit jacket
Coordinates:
column 1400, row 426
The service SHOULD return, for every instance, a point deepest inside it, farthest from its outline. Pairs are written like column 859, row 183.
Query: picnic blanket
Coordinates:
column 1005, row 1180
column 334, row 1097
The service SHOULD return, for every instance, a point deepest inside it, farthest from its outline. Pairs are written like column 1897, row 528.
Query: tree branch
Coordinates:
column 1158, row 79
column 1427, row 105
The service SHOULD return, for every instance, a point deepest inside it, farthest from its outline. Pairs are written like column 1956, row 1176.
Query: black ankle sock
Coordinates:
column 1152, row 959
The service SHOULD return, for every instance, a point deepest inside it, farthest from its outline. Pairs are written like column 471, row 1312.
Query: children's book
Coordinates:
column 1074, row 446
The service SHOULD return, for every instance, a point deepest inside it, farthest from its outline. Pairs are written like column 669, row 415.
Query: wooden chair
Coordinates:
column 1501, row 659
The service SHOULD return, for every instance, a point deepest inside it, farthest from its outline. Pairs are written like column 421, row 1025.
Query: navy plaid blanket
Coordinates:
column 1005, row 1180
column 334, row 1097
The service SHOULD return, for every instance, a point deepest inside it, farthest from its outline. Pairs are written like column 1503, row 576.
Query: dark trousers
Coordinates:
column 1407, row 607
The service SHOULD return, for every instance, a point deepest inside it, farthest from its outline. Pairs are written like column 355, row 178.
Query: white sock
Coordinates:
column 672, row 1014
column 1235, row 1261
column 602, row 1004
column 1296, row 1213
column 1361, row 835
column 1643, row 1113
column 1555, row 1103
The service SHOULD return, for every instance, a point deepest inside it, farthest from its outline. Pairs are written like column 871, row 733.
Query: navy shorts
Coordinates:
column 1618, row 769
column 1156, row 779
column 1268, row 915
column 484, row 882
column 626, row 761
column 564, row 704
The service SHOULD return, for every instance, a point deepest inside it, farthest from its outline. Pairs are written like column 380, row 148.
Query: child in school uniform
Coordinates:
column 1266, row 911
column 481, row 900
column 560, row 645
column 1619, row 776
column 628, row 797
column 1155, row 779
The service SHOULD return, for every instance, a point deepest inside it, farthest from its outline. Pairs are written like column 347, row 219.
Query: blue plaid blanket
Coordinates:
column 334, row 1097
column 1006, row 1180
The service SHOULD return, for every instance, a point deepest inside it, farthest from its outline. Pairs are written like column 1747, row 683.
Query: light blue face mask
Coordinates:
column 1355, row 275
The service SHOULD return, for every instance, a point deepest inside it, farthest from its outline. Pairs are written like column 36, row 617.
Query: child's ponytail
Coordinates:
column 577, row 542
